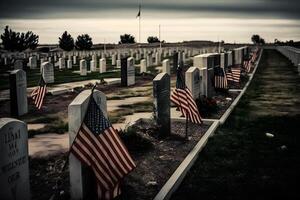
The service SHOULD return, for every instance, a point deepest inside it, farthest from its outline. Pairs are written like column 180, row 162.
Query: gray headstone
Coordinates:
column 18, row 93
column 14, row 175
column 206, row 85
column 18, row 64
column 81, row 177
column 192, row 81
column 47, row 72
column 161, row 101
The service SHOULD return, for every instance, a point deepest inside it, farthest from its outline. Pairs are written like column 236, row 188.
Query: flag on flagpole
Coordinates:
column 234, row 74
column 39, row 93
column 98, row 145
column 220, row 78
column 139, row 13
column 183, row 99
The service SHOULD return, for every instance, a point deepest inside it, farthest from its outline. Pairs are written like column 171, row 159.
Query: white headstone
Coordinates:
column 192, row 81
column 80, row 175
column 166, row 66
column 102, row 65
column 14, row 176
column 83, row 68
column 69, row 64
column 143, row 66
column 130, row 71
column 93, row 65
column 61, row 63
column 32, row 62
column 118, row 63
column 74, row 60
column 113, row 59
column 47, row 72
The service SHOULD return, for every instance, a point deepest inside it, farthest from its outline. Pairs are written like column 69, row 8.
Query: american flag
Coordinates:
column 38, row 93
column 247, row 65
column 98, row 145
column 234, row 74
column 220, row 78
column 183, row 98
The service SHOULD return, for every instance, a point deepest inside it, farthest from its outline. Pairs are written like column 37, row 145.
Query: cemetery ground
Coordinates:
column 157, row 158
column 241, row 161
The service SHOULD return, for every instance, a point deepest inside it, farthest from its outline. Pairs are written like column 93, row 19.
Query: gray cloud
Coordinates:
column 127, row 8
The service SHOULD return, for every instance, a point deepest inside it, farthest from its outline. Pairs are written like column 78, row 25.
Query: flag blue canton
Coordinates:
column 180, row 79
column 95, row 119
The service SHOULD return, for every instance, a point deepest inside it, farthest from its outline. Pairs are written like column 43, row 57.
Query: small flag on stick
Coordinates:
column 220, row 78
column 183, row 99
column 38, row 93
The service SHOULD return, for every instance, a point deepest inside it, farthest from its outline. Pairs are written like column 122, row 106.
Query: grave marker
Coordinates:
column 102, row 65
column 143, row 66
column 127, row 72
column 47, row 72
column 166, row 66
column 161, row 102
column 82, row 179
column 18, row 93
column 61, row 63
column 192, row 81
column 83, row 67
column 14, row 175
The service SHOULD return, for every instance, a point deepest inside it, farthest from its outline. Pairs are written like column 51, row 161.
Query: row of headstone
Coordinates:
column 292, row 53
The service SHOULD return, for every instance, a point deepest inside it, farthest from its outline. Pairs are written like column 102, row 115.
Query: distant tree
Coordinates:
column 31, row 40
column 15, row 41
column 127, row 39
column 84, row 42
column 262, row 41
column 255, row 39
column 153, row 39
column 66, row 42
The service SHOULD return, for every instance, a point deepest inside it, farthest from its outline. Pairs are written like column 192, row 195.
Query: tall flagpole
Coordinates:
column 159, row 38
column 140, row 23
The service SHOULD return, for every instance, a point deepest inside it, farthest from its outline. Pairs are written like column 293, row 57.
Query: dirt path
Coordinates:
column 241, row 161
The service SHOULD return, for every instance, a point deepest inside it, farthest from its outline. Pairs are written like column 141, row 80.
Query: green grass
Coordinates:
column 53, row 124
column 117, row 116
column 240, row 162
column 123, row 94
column 63, row 76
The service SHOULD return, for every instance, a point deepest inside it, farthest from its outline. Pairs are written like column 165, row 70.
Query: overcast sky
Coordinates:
column 81, row 8
column 27, row 14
